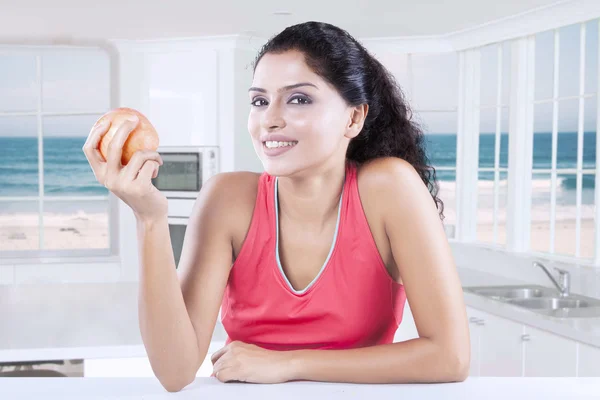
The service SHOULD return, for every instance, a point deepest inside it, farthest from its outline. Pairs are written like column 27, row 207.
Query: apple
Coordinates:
column 143, row 137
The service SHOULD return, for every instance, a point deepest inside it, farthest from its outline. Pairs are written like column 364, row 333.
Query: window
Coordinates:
column 493, row 109
column 430, row 84
column 564, row 151
column 50, row 201
column 537, row 191
column 558, row 78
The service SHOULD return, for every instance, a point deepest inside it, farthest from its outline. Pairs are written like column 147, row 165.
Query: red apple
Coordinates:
column 143, row 137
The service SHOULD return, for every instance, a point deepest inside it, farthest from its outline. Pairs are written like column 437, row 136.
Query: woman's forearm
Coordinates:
column 165, row 326
column 413, row 361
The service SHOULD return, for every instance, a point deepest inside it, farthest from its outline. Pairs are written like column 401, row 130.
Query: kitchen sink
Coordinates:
column 550, row 302
column 541, row 300
column 511, row 293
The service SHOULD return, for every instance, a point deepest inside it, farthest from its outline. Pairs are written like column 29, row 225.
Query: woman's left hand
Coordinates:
column 243, row 362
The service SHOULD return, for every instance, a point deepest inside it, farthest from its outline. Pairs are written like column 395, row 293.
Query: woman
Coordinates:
column 312, row 261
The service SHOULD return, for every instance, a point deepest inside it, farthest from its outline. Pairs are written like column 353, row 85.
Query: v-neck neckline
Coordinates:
column 333, row 243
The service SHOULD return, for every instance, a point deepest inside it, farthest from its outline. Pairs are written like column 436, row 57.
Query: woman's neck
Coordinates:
column 311, row 201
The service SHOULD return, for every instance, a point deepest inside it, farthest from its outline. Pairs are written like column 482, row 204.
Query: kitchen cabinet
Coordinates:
column 546, row 354
column 496, row 347
column 183, row 96
column 500, row 347
column 475, row 317
column 588, row 361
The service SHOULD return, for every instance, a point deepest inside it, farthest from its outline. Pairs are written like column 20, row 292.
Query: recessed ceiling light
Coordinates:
column 282, row 13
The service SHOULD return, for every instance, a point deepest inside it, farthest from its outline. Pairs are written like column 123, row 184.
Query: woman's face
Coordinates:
column 297, row 120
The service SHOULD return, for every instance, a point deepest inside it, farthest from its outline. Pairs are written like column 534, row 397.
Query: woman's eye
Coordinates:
column 294, row 100
column 253, row 103
column 301, row 100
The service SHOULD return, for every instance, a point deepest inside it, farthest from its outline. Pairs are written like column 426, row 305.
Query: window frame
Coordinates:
column 62, row 255
column 521, row 128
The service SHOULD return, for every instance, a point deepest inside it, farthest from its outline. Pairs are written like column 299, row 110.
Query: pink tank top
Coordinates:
column 352, row 302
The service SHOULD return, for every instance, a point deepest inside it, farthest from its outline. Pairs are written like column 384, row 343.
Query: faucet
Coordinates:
column 564, row 277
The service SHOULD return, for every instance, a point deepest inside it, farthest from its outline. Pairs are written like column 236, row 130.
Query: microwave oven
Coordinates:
column 185, row 169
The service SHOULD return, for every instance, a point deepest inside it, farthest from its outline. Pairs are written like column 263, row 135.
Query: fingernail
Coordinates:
column 133, row 118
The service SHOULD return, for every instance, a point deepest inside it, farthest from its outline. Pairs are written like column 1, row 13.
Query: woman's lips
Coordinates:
column 276, row 151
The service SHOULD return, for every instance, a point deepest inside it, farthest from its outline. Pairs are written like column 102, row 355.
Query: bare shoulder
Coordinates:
column 400, row 210
column 232, row 191
column 391, row 180
column 228, row 198
column 238, row 182
column 395, row 189
column 382, row 172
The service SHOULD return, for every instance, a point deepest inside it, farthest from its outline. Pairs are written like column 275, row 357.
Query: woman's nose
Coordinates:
column 273, row 118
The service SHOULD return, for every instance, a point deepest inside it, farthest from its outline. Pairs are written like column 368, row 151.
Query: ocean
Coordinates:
column 67, row 172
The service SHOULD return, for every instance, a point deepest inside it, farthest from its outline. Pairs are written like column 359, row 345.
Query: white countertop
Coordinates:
column 211, row 388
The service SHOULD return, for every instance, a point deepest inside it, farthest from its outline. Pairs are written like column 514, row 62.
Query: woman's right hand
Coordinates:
column 132, row 182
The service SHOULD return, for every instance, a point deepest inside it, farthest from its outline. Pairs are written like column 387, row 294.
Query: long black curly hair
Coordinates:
column 360, row 78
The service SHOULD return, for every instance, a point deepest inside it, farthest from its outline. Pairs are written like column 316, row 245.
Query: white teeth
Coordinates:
column 273, row 145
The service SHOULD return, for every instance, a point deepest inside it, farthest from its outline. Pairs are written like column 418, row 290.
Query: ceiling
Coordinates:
column 154, row 19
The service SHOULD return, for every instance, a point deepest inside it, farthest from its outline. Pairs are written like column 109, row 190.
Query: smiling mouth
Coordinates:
column 278, row 145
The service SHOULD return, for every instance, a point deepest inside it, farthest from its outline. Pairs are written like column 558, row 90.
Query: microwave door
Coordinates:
column 180, row 175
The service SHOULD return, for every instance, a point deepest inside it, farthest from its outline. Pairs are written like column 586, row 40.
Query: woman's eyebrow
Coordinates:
column 283, row 89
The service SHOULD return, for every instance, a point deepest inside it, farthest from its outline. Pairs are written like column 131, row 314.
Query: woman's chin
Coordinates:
column 279, row 167
column 276, row 170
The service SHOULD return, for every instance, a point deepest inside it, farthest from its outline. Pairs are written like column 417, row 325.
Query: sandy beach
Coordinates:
column 564, row 237
column 564, row 234
column 89, row 229
column 20, row 231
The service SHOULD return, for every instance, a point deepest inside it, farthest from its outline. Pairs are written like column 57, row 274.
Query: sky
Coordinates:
column 78, row 81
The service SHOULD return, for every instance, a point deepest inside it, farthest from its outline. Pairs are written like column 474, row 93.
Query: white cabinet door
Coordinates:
column 547, row 354
column 183, row 96
column 474, row 316
column 500, row 347
column 589, row 361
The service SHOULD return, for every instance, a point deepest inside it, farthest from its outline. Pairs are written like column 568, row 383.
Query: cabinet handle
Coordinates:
column 480, row 322
column 525, row 337
column 473, row 319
